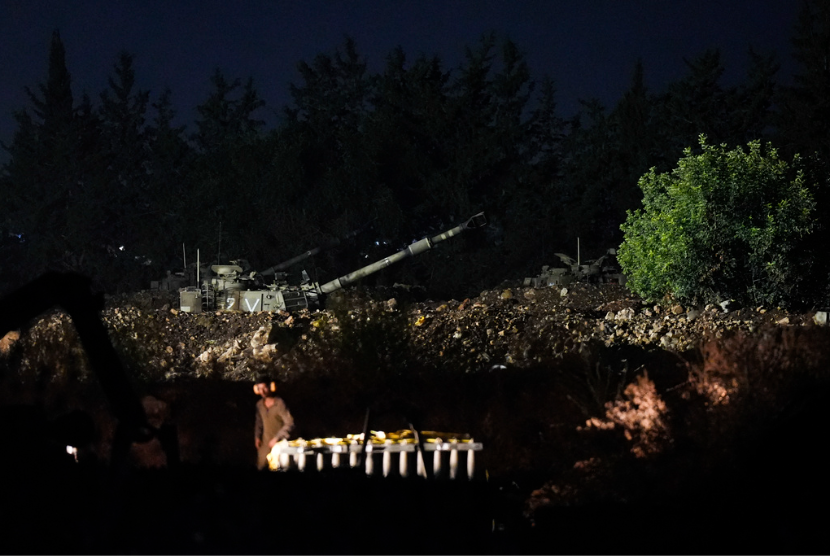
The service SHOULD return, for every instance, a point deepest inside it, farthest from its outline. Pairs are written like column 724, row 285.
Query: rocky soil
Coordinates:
column 511, row 326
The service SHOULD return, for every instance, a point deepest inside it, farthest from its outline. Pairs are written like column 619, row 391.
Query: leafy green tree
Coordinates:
column 606, row 152
column 723, row 224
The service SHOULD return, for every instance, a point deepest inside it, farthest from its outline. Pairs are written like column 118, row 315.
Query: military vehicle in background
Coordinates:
column 189, row 276
column 604, row 270
column 551, row 277
column 174, row 281
column 231, row 287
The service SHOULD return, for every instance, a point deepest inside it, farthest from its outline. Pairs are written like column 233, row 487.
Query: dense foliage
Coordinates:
column 113, row 188
column 723, row 224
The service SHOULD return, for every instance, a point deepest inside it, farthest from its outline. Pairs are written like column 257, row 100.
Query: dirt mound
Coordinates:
column 510, row 327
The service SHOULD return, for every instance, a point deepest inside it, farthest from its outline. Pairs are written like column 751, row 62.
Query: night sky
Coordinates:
column 588, row 47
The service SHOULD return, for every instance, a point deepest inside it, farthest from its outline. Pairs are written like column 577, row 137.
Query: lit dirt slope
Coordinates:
column 510, row 326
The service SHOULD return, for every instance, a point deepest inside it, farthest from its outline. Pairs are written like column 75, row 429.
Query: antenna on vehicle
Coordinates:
column 577, row 253
column 184, row 256
column 219, row 249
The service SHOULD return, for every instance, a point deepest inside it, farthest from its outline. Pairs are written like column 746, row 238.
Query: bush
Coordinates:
column 724, row 224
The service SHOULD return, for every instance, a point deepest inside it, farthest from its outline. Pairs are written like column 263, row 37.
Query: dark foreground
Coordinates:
column 225, row 511
column 53, row 505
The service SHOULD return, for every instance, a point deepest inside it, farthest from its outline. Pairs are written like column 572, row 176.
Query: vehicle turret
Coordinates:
column 601, row 270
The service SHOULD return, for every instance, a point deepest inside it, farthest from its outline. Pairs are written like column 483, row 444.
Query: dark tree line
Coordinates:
column 110, row 187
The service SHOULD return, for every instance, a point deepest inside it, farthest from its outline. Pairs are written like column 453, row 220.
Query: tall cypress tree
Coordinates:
column 55, row 108
column 226, row 176
column 403, row 133
column 129, row 205
column 592, row 170
column 169, row 159
column 335, row 183
column 636, row 138
column 752, row 116
column 695, row 104
column 533, row 222
column 123, row 114
column 44, row 182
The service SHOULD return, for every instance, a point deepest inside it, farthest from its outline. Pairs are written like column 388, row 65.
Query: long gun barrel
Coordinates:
column 425, row 244
column 310, row 253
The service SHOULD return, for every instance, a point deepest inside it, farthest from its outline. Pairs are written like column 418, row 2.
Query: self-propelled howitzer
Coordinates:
column 603, row 270
column 230, row 290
